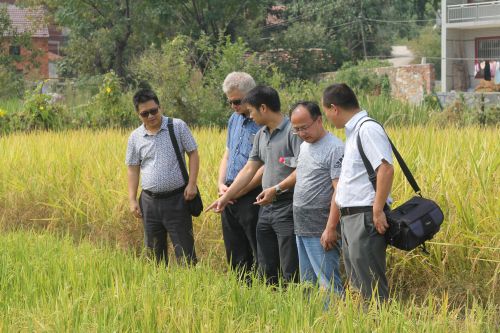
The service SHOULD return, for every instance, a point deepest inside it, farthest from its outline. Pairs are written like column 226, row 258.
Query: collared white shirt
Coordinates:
column 354, row 188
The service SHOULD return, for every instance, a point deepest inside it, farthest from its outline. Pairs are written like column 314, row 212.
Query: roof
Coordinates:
column 29, row 20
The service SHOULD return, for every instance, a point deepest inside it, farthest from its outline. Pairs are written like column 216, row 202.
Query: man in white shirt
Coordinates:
column 363, row 220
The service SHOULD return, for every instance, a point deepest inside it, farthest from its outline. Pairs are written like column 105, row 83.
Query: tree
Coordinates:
column 307, row 49
column 104, row 34
column 348, row 28
column 213, row 18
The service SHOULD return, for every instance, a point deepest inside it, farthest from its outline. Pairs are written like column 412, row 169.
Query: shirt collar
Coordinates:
column 282, row 125
column 351, row 124
column 243, row 118
column 163, row 126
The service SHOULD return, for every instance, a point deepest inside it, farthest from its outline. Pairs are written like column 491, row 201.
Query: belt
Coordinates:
column 344, row 211
column 163, row 195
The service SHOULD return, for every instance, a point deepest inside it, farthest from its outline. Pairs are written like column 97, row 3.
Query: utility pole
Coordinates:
column 361, row 18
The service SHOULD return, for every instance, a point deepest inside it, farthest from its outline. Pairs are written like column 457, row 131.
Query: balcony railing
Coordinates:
column 473, row 12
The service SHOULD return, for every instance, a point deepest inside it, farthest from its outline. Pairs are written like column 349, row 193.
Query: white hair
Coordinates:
column 240, row 81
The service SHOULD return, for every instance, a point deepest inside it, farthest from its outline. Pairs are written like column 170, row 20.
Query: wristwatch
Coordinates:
column 278, row 189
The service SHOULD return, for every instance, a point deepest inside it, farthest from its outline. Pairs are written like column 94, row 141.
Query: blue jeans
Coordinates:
column 319, row 266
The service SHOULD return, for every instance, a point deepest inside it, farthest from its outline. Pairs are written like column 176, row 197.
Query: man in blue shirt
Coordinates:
column 240, row 218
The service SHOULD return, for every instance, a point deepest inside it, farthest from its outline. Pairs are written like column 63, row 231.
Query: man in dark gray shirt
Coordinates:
column 315, row 213
column 275, row 147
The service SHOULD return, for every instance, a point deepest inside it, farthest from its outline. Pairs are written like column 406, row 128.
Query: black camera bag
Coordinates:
column 415, row 221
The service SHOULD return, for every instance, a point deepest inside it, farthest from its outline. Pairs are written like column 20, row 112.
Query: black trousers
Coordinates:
column 239, row 222
column 276, row 244
column 162, row 216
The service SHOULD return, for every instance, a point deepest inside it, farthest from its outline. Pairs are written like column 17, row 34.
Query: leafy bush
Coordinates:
column 4, row 122
column 363, row 80
column 11, row 83
column 428, row 44
column 168, row 72
column 188, row 76
column 305, row 50
column 39, row 112
column 110, row 108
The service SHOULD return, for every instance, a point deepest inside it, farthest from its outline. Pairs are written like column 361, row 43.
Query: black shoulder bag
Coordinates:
column 415, row 221
column 195, row 206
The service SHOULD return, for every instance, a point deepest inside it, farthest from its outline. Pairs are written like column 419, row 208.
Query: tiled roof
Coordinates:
column 28, row 20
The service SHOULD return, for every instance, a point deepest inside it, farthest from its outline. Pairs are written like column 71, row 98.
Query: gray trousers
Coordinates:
column 364, row 255
column 162, row 216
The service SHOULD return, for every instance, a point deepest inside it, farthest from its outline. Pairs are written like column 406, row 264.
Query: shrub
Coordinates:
column 428, row 44
column 39, row 113
column 110, row 108
column 362, row 79
column 305, row 50
column 188, row 76
column 11, row 83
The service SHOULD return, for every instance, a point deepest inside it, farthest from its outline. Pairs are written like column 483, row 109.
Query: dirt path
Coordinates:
column 401, row 56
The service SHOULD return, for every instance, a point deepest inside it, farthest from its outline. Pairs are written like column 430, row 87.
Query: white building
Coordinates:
column 470, row 41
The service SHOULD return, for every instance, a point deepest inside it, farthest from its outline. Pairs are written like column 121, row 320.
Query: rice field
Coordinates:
column 71, row 253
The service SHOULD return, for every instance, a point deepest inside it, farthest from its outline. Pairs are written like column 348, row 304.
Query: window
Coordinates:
column 54, row 47
column 487, row 56
column 15, row 50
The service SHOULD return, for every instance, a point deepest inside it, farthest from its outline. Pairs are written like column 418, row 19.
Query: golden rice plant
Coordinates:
column 75, row 182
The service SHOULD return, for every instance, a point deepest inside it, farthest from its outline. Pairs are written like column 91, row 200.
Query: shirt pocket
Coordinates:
column 352, row 165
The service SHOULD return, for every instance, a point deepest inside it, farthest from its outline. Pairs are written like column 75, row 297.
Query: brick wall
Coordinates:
column 42, row 45
column 410, row 83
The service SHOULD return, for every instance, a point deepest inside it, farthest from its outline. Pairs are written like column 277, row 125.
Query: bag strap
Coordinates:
column 170, row 126
column 371, row 173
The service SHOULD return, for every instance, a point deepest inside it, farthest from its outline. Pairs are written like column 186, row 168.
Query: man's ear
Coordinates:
column 263, row 107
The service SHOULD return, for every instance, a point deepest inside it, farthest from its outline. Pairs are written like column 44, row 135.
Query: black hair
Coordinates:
column 312, row 107
column 263, row 95
column 143, row 96
column 340, row 94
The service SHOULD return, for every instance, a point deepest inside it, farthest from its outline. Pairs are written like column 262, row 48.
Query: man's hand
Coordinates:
column 222, row 189
column 218, row 205
column 266, row 197
column 328, row 239
column 380, row 222
column 135, row 209
column 190, row 192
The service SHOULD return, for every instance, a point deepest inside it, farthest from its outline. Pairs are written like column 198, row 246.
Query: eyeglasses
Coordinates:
column 297, row 130
column 235, row 102
column 145, row 114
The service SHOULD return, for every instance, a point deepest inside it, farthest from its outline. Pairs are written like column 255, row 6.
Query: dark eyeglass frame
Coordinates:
column 235, row 102
column 297, row 130
column 146, row 113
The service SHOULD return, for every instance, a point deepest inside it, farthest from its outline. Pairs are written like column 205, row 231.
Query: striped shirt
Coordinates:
column 160, row 170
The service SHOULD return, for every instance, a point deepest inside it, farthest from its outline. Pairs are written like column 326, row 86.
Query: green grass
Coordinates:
column 11, row 105
column 48, row 284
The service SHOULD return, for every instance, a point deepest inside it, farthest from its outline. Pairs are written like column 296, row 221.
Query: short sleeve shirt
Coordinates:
column 354, row 188
column 160, row 170
column 318, row 164
column 278, row 151
column 241, row 132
